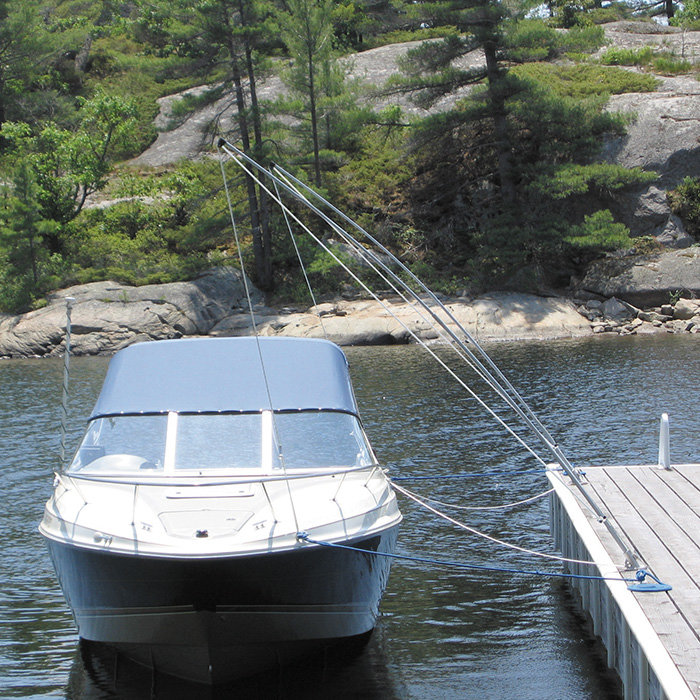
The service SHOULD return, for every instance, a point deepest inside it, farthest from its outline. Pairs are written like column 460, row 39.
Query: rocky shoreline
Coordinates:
column 615, row 316
column 107, row 316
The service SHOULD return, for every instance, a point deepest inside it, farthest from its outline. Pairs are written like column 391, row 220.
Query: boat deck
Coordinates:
column 652, row 638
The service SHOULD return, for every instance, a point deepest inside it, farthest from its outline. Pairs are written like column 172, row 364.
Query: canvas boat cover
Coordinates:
column 226, row 374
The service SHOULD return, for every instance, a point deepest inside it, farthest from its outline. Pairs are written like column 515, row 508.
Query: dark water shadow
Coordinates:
column 344, row 670
column 577, row 624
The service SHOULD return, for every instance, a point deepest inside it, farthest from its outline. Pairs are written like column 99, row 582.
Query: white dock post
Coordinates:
column 664, row 443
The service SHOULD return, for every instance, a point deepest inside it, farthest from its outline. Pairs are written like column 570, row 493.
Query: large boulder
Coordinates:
column 646, row 280
column 662, row 135
column 496, row 316
column 107, row 315
column 648, row 213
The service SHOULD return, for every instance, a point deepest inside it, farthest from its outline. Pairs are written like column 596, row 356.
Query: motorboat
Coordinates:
column 176, row 531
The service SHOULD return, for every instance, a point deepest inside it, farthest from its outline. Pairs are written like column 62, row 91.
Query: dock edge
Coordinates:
column 634, row 650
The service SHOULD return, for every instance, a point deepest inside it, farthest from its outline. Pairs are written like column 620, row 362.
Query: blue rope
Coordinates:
column 639, row 576
column 467, row 476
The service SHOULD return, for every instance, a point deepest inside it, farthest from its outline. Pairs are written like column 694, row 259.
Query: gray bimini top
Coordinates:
column 226, row 375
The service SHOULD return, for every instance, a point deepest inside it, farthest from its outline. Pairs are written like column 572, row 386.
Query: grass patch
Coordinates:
column 402, row 36
column 663, row 62
column 586, row 80
column 615, row 56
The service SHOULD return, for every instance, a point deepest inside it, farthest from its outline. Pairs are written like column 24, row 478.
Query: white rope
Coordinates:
column 508, row 392
column 500, row 507
column 257, row 338
column 301, row 264
column 417, row 339
column 490, row 538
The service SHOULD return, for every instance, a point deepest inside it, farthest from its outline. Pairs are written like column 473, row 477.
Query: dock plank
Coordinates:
column 669, row 553
column 672, row 501
column 658, row 512
column 669, row 526
column 685, row 480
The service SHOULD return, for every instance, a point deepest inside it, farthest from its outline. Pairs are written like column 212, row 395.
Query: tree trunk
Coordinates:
column 314, row 120
column 266, row 281
column 81, row 60
column 258, row 250
column 32, row 256
column 498, row 114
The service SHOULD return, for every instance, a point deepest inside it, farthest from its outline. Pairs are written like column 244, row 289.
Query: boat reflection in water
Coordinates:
column 350, row 667
column 175, row 531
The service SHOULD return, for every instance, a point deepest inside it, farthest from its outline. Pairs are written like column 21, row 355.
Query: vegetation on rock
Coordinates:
column 506, row 177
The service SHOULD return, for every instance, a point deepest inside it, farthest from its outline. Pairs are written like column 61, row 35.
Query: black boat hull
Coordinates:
column 217, row 619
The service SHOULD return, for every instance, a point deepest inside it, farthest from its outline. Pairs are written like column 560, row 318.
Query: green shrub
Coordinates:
column 670, row 65
column 582, row 39
column 600, row 232
column 614, row 12
column 532, row 40
column 401, row 36
column 602, row 179
column 688, row 16
column 685, row 203
column 660, row 61
column 615, row 56
column 582, row 80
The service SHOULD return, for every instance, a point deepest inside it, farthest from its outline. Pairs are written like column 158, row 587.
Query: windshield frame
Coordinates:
column 271, row 466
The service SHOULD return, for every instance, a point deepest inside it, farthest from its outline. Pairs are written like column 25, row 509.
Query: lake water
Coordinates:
column 444, row 633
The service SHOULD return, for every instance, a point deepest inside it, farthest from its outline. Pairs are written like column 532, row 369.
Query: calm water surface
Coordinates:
column 444, row 633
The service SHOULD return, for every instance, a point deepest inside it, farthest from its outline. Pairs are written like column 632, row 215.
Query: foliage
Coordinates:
column 535, row 40
column 600, row 232
column 27, row 86
column 506, row 178
column 613, row 12
column 668, row 64
column 399, row 36
column 585, row 38
column 531, row 40
column 556, row 124
column 685, row 203
column 688, row 16
column 570, row 13
column 71, row 165
column 617, row 56
column 163, row 228
column 601, row 179
column 188, row 104
column 580, row 81
column 661, row 61
column 25, row 271
column 306, row 29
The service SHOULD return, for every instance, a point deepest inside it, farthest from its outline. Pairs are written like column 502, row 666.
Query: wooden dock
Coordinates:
column 652, row 639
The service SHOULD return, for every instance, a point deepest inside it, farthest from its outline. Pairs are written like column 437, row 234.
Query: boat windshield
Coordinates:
column 222, row 443
column 122, row 444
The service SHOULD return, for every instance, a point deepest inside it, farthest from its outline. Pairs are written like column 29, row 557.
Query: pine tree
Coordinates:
column 234, row 27
column 23, row 53
column 307, row 31
column 22, row 234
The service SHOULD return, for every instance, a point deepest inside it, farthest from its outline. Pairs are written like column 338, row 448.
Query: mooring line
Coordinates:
column 490, row 538
column 503, row 506
column 469, row 475
column 639, row 576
